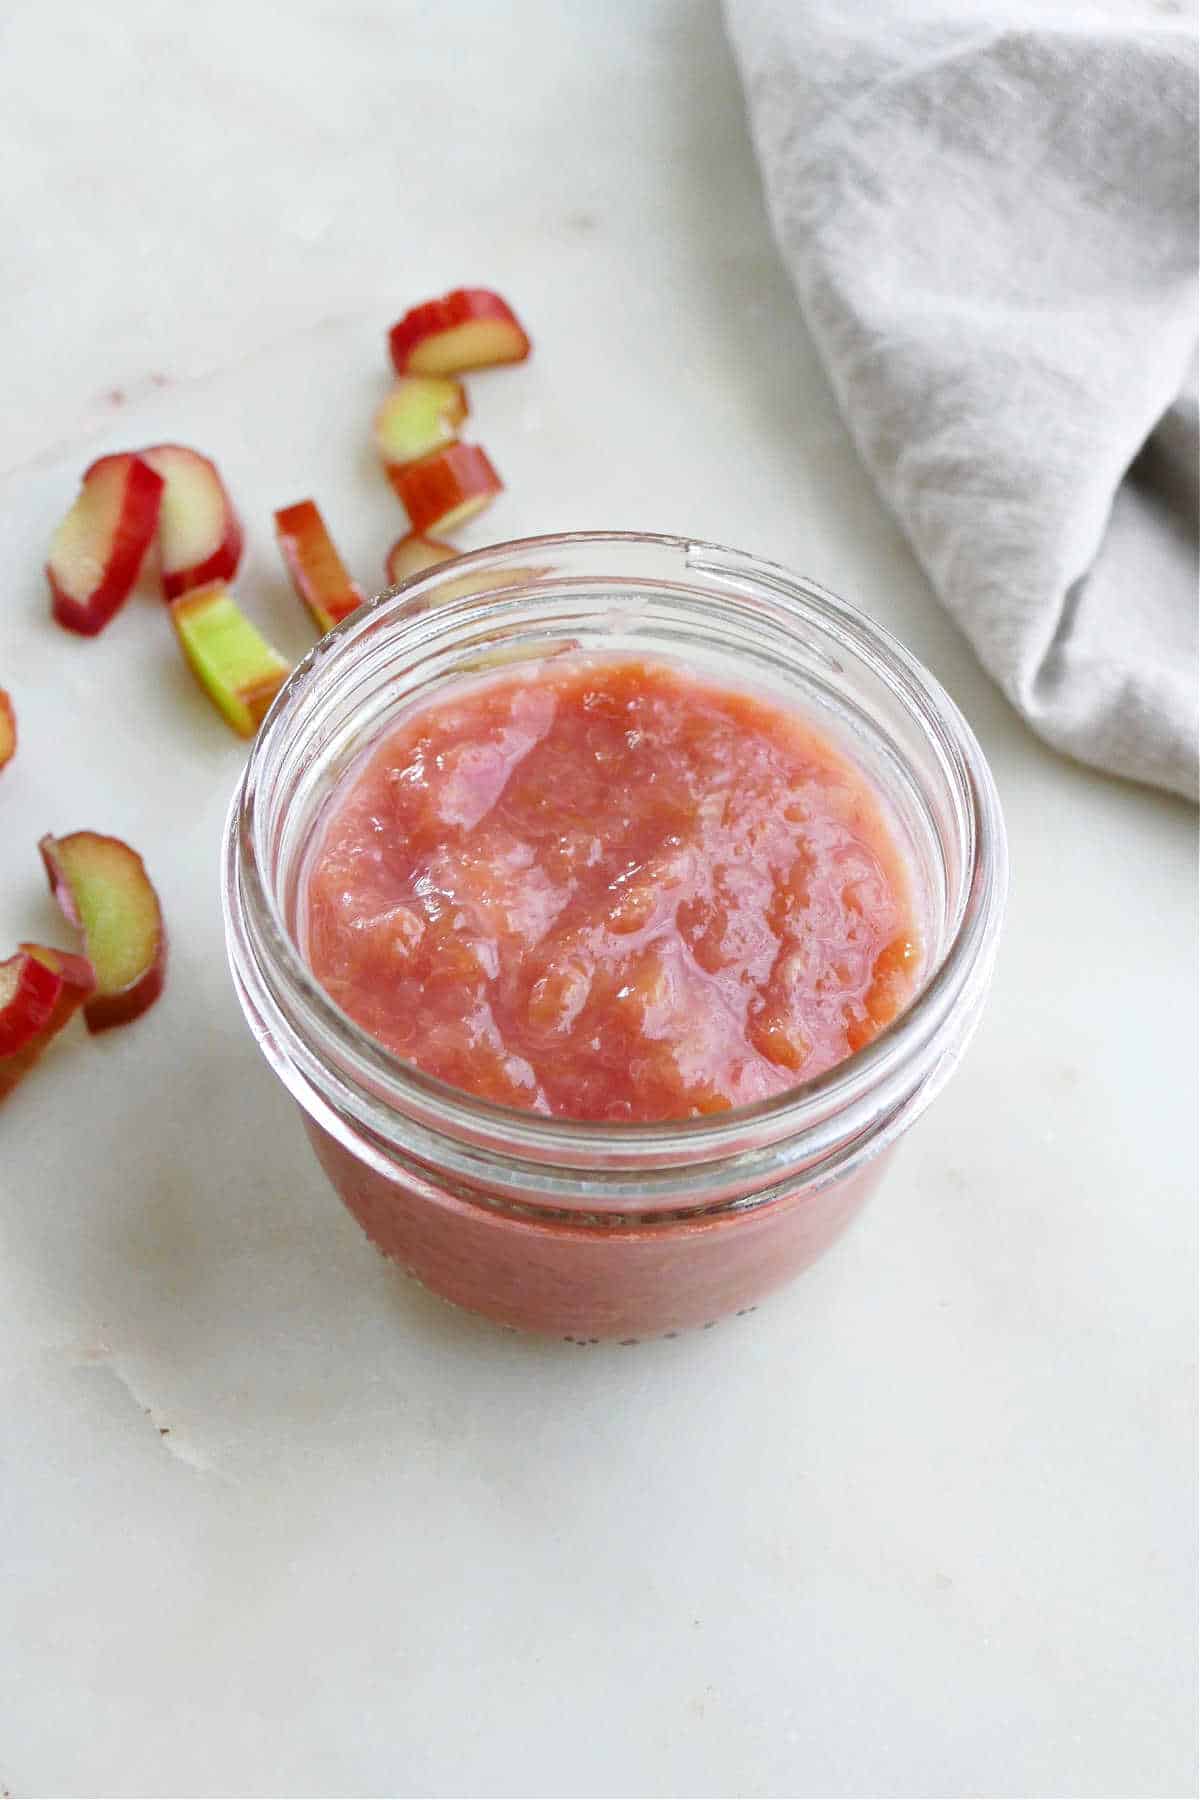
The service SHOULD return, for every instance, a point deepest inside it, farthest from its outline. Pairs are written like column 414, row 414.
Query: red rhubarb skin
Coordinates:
column 8, row 729
column 131, row 540
column 435, row 486
column 33, row 1014
column 222, row 562
column 317, row 572
column 463, row 306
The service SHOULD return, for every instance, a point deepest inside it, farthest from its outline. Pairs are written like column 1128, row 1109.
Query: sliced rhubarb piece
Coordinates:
column 421, row 413
column 471, row 328
column 29, row 998
column 409, row 555
column 28, row 992
column 317, row 571
column 78, row 981
column 78, row 978
column 199, row 533
column 8, row 729
column 50, row 991
column 446, row 489
column 97, row 551
column 102, row 887
column 239, row 671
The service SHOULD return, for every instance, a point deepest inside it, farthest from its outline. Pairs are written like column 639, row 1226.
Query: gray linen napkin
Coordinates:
column 990, row 214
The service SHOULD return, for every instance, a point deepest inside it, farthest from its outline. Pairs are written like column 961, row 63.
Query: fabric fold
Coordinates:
column 991, row 223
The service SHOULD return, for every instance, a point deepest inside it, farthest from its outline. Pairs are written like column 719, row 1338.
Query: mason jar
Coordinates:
column 611, row 1230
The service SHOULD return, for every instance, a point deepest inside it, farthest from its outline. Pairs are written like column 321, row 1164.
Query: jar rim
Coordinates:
column 276, row 985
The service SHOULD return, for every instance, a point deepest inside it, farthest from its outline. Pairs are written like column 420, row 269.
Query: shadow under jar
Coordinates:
column 611, row 1230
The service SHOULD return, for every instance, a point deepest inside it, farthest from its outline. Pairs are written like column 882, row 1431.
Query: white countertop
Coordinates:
column 272, row 1522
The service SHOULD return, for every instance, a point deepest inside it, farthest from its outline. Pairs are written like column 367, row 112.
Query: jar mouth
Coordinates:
column 324, row 1055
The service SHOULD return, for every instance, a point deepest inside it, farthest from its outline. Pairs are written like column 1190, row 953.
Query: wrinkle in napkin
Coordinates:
column 990, row 215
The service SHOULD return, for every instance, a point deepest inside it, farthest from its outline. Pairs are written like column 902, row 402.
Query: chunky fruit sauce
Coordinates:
column 611, row 891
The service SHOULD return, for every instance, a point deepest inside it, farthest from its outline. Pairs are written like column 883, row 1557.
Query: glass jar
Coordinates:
column 611, row 1230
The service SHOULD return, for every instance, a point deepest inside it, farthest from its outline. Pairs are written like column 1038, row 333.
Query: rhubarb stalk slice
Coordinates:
column 102, row 888
column 471, row 328
column 317, row 572
column 446, row 489
column 97, row 551
column 239, row 671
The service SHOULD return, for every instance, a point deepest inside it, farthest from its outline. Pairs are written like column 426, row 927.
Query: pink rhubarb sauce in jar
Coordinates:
column 611, row 905
column 611, row 892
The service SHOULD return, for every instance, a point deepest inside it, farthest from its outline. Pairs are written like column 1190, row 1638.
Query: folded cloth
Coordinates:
column 990, row 214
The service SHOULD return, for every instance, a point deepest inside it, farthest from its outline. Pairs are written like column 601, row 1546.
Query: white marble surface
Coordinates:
column 271, row 1521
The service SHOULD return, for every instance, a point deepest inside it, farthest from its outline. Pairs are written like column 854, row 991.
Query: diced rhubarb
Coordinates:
column 29, row 996
column 410, row 555
column 8, row 729
column 97, row 551
column 28, row 991
column 446, row 489
column 103, row 889
column 199, row 533
column 78, row 981
column 421, row 413
column 317, row 571
column 239, row 671
column 471, row 328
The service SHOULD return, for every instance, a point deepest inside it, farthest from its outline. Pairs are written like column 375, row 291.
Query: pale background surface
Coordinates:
column 924, row 1525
